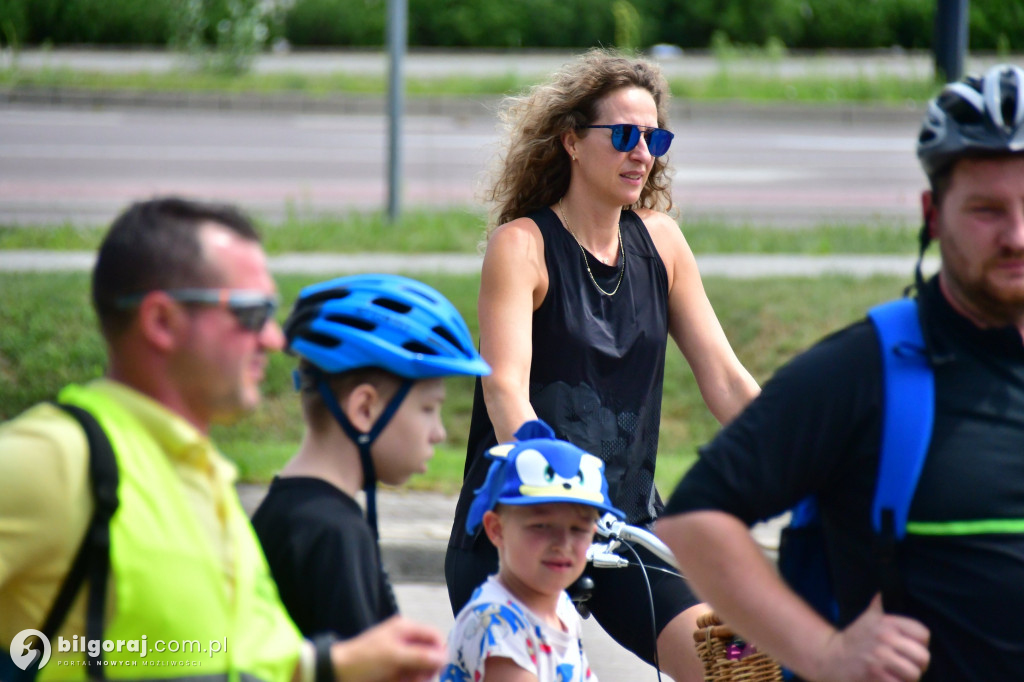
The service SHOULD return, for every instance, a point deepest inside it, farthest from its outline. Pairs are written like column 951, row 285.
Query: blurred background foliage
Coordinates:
column 996, row 25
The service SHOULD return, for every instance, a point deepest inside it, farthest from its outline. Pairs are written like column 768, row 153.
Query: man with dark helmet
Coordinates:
column 373, row 350
column 816, row 430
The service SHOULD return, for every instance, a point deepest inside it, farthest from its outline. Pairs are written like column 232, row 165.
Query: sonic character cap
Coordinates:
column 538, row 469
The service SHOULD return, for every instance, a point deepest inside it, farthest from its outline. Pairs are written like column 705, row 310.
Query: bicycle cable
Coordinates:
column 667, row 571
column 650, row 602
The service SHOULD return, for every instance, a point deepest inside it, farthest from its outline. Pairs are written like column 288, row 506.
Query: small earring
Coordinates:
column 574, row 158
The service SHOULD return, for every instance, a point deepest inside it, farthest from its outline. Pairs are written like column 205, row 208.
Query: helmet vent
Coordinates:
column 961, row 110
column 418, row 347
column 1009, row 107
column 322, row 340
column 447, row 336
column 301, row 317
column 391, row 304
column 349, row 321
column 326, row 295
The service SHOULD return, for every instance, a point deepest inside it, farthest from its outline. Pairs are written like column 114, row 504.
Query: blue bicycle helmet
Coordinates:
column 386, row 321
column 974, row 116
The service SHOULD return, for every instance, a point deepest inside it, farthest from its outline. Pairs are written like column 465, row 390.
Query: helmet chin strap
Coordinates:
column 364, row 441
column 924, row 238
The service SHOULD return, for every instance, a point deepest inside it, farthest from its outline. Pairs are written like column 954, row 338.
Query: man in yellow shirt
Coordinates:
column 186, row 305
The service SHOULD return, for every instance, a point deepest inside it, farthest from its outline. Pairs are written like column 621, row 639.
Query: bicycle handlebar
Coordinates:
column 602, row 554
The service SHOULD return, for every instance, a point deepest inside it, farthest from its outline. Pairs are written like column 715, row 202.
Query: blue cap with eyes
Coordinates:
column 539, row 469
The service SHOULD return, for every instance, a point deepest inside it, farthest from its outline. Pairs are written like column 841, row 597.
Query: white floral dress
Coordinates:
column 494, row 623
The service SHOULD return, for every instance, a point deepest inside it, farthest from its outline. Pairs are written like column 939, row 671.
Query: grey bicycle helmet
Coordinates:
column 974, row 116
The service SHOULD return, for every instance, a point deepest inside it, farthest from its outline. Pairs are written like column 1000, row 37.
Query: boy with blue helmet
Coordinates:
column 373, row 350
column 538, row 506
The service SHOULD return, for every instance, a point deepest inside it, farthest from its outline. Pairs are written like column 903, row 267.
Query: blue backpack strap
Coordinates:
column 908, row 413
column 909, row 410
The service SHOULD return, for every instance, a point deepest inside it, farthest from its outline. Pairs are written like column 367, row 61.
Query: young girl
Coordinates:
column 538, row 507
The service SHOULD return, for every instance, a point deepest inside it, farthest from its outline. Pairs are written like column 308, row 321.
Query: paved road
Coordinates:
column 60, row 164
column 784, row 165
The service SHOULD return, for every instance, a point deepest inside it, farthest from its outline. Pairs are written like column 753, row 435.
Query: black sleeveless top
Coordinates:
column 598, row 367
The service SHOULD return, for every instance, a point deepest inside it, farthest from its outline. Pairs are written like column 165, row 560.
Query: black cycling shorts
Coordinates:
column 620, row 601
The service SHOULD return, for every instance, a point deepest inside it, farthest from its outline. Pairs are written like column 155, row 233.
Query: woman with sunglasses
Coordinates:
column 584, row 278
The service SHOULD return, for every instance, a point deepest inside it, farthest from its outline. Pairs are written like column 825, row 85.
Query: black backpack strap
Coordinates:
column 93, row 558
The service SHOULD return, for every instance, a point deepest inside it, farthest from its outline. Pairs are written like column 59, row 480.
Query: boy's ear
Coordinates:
column 362, row 406
column 492, row 526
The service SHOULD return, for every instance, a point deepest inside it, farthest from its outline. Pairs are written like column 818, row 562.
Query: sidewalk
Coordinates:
column 414, row 530
column 737, row 266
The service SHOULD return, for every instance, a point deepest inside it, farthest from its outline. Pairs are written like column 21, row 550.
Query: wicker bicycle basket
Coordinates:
column 727, row 659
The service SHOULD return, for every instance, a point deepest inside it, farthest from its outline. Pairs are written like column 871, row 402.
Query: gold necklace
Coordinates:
column 622, row 254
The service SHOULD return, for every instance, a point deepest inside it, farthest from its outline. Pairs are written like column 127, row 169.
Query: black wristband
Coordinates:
column 323, row 670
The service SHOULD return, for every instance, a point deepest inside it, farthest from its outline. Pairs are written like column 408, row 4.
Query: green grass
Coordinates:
column 461, row 231
column 708, row 236
column 48, row 338
column 728, row 83
column 313, row 85
column 809, row 89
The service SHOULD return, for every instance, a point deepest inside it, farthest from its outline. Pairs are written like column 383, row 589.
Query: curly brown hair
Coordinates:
column 533, row 169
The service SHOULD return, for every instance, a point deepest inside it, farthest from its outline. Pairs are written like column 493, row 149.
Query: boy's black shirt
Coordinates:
column 323, row 557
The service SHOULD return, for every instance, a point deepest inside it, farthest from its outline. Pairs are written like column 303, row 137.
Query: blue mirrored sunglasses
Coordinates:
column 252, row 309
column 625, row 137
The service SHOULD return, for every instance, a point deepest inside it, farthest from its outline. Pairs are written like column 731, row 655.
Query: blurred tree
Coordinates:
column 627, row 25
column 223, row 35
